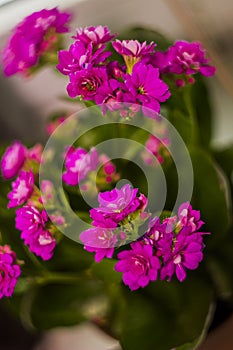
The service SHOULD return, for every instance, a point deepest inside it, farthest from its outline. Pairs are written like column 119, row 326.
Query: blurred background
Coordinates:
column 26, row 104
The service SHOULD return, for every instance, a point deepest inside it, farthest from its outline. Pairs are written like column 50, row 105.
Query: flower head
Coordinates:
column 32, row 222
column 133, row 51
column 116, row 205
column 156, row 146
column 145, row 87
column 34, row 36
column 13, row 160
column 86, row 82
column 96, row 35
column 139, row 265
column 41, row 242
column 188, row 58
column 79, row 56
column 22, row 189
column 78, row 164
column 100, row 241
column 189, row 217
column 35, row 153
column 31, row 219
column 186, row 253
column 9, row 271
column 110, row 95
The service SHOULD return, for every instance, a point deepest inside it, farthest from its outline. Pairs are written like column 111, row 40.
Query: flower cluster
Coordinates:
column 93, row 77
column 35, row 36
column 116, row 208
column 184, row 58
column 17, row 157
column 79, row 164
column 167, row 248
column 156, row 146
column 24, row 163
column 9, row 271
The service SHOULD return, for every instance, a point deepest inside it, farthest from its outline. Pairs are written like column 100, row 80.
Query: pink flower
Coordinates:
column 79, row 56
column 96, row 35
column 78, row 164
column 22, row 189
column 185, row 254
column 35, row 153
column 41, row 243
column 139, row 265
column 32, row 38
column 189, row 217
column 85, row 83
column 32, row 223
column 188, row 58
column 31, row 219
column 157, row 146
column 100, row 241
column 9, row 271
column 110, row 95
column 145, row 87
column 133, row 48
column 133, row 51
column 116, row 205
column 13, row 160
column 47, row 191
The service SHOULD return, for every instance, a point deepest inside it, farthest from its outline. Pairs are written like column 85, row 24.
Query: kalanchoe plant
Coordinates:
column 160, row 263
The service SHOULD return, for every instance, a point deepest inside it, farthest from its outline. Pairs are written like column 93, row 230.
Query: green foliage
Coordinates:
column 72, row 288
column 165, row 314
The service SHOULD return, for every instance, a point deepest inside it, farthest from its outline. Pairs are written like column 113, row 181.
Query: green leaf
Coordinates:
column 202, row 108
column 70, row 256
column 209, row 193
column 182, row 115
column 224, row 158
column 57, row 305
column 220, row 266
column 104, row 271
column 165, row 315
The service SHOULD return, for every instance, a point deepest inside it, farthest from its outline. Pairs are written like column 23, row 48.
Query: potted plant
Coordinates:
column 123, row 217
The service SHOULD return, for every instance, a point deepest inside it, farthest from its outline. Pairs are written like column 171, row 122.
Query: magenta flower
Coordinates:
column 157, row 146
column 186, row 253
column 34, row 36
column 32, row 222
column 13, row 160
column 47, row 191
column 110, row 96
column 139, row 265
column 85, row 83
column 133, row 48
column 95, row 35
column 116, row 205
column 188, row 58
column 30, row 219
column 79, row 57
column 41, row 243
column 189, row 217
column 78, row 164
column 9, row 271
column 177, row 242
column 100, row 241
column 145, row 87
column 133, row 51
column 22, row 189
column 35, row 153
